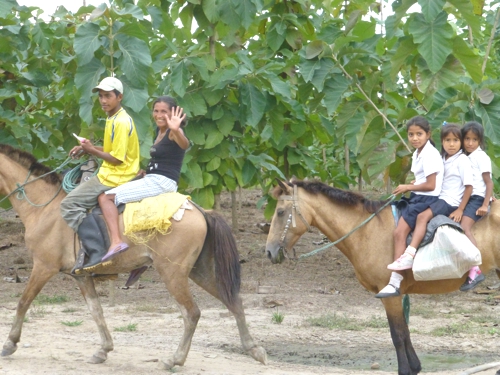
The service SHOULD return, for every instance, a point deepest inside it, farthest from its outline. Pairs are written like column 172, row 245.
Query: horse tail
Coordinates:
column 221, row 242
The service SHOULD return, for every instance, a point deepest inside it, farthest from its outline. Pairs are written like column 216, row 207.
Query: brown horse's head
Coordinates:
column 287, row 225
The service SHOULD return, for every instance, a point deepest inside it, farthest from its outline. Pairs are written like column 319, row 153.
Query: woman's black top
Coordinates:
column 166, row 158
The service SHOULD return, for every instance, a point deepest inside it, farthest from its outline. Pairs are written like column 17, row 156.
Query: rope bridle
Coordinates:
column 21, row 193
column 296, row 208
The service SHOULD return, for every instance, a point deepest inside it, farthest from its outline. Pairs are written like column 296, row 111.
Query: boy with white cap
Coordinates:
column 120, row 154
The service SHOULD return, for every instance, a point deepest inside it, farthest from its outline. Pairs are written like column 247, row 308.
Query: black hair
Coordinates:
column 172, row 104
column 116, row 92
column 454, row 129
column 476, row 128
column 422, row 123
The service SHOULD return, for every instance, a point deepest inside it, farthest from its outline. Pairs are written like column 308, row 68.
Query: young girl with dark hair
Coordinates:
column 482, row 190
column 427, row 167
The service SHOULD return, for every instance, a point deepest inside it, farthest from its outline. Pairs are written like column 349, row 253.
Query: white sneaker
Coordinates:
column 404, row 262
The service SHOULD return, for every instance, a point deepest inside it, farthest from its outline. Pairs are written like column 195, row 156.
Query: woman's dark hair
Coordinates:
column 172, row 104
column 450, row 128
column 422, row 123
column 476, row 128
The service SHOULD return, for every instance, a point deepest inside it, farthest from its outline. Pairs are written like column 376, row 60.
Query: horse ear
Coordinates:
column 281, row 185
column 293, row 179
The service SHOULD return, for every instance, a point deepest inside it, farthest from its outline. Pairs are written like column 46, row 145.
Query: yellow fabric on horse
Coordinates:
column 151, row 216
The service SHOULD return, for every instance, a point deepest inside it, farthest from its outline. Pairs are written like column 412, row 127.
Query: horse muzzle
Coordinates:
column 276, row 257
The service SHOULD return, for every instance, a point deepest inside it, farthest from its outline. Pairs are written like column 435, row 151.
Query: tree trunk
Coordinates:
column 234, row 211
column 217, row 202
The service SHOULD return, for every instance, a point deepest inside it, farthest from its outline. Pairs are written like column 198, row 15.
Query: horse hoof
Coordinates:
column 259, row 354
column 167, row 365
column 8, row 349
column 98, row 358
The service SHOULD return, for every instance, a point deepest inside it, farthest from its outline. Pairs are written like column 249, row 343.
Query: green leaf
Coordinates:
column 204, row 197
column 180, row 78
column 334, row 91
column 6, row 7
column 249, row 172
column 133, row 97
column 213, row 139
column 194, row 175
column 468, row 9
column 314, row 48
column 213, row 164
column 195, row 134
column 193, row 104
column 433, row 39
column 490, row 118
column 87, row 76
column 210, row 10
column 246, row 11
column 135, row 60
column 431, row 8
column 129, row 9
column 255, row 102
column 86, row 42
column 468, row 58
column 225, row 124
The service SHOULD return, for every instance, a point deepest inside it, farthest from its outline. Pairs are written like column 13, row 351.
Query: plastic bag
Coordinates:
column 449, row 256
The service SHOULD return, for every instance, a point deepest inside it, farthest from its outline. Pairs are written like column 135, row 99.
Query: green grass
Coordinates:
column 132, row 327
column 277, row 317
column 334, row 321
column 74, row 323
column 454, row 329
column 69, row 310
column 42, row 299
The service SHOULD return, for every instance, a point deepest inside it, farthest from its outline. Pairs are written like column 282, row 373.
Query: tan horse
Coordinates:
column 370, row 249
column 200, row 247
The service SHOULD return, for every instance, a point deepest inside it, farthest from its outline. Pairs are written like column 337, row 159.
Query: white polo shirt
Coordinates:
column 457, row 174
column 429, row 161
column 481, row 163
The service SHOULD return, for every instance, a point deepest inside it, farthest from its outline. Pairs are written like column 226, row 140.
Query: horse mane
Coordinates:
column 28, row 161
column 344, row 197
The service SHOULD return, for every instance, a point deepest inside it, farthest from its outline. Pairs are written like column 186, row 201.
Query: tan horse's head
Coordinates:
column 288, row 223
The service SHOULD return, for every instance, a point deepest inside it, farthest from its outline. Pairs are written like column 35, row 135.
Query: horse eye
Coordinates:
column 281, row 212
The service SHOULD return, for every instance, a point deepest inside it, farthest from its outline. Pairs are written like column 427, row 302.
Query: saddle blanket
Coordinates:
column 152, row 215
column 445, row 252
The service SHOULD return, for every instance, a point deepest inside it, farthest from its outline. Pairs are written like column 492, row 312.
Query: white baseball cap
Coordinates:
column 109, row 84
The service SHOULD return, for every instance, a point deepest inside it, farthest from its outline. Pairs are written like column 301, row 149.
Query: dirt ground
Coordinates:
column 451, row 332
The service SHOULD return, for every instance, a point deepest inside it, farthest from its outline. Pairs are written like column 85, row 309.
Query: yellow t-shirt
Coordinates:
column 121, row 141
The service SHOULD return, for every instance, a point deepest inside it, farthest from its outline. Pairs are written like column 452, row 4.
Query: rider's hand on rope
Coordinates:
column 76, row 152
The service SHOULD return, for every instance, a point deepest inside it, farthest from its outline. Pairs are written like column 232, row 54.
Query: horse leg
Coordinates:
column 408, row 362
column 201, row 275
column 38, row 278
column 87, row 287
column 179, row 289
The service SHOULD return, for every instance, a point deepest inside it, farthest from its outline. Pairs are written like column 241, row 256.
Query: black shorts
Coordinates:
column 441, row 207
column 475, row 201
column 417, row 203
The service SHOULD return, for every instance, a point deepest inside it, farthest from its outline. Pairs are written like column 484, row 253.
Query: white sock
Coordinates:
column 411, row 250
column 396, row 279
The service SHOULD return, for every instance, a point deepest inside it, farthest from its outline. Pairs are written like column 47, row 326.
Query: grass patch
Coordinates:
column 69, row 310
column 485, row 319
column 377, row 322
column 74, row 323
column 147, row 308
column 37, row 311
column 132, row 327
column 423, row 311
column 277, row 317
column 42, row 299
column 454, row 329
column 335, row 321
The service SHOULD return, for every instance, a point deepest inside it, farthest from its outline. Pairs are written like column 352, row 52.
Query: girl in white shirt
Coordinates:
column 482, row 190
column 427, row 167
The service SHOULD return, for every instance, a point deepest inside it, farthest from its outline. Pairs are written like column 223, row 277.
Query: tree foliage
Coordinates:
column 272, row 88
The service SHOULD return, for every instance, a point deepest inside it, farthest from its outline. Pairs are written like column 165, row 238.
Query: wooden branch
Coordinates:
column 490, row 42
column 480, row 368
column 372, row 103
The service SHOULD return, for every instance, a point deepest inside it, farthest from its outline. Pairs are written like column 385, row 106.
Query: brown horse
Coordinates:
column 200, row 246
column 337, row 212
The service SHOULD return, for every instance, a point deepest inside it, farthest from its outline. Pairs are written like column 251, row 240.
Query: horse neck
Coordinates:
column 335, row 220
column 38, row 192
